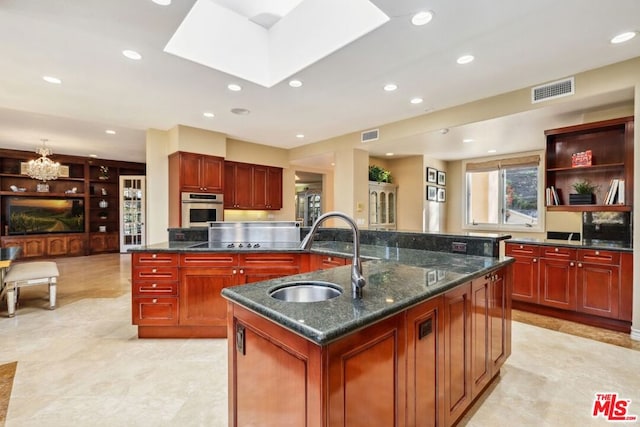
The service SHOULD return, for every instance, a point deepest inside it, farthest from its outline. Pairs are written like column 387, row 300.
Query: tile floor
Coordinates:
column 82, row 365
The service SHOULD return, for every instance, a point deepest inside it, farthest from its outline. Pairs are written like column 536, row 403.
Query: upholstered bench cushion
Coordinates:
column 31, row 270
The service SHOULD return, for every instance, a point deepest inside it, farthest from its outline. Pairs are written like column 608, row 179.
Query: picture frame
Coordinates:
column 432, row 193
column 442, row 178
column 442, row 195
column 432, row 175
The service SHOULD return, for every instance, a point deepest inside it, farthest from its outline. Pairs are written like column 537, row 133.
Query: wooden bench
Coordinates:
column 29, row 274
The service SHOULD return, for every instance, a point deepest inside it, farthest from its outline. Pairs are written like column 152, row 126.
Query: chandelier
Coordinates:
column 43, row 169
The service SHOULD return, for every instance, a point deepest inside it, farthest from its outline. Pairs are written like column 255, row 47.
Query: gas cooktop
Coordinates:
column 247, row 245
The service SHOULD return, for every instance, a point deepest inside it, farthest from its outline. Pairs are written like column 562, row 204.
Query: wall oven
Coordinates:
column 200, row 208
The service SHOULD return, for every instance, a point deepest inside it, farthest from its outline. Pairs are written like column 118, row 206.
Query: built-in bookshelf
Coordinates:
column 609, row 145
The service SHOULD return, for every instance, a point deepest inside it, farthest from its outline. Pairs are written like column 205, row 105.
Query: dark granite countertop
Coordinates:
column 580, row 244
column 399, row 278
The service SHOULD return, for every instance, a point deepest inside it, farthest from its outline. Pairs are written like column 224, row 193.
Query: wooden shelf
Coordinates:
column 40, row 194
column 586, row 168
column 589, row 208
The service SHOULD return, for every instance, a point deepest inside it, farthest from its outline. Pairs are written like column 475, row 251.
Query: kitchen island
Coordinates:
column 428, row 336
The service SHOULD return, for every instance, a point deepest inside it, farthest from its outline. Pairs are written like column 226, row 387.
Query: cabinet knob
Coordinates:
column 556, row 249
column 155, row 300
column 521, row 247
column 155, row 270
column 241, row 271
column 580, row 264
column 571, row 264
column 155, row 285
column 154, row 256
column 597, row 252
column 235, row 271
column 535, row 260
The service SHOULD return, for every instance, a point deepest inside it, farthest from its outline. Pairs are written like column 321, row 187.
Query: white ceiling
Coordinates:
column 517, row 44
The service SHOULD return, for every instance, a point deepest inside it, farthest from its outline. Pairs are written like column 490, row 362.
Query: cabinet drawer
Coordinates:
column 157, row 273
column 558, row 252
column 155, row 288
column 155, row 311
column 209, row 260
column 599, row 256
column 269, row 260
column 512, row 249
column 159, row 258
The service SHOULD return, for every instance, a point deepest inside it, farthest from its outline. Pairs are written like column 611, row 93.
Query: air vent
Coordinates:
column 553, row 90
column 370, row 135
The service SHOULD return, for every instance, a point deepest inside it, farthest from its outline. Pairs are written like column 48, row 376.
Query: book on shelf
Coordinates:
column 615, row 195
column 551, row 196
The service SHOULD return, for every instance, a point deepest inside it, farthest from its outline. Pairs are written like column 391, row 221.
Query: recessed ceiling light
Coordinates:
column 623, row 37
column 110, row 131
column 295, row 83
column 389, row 154
column 234, row 87
column 390, row 87
column 465, row 59
column 416, row 100
column 208, row 115
column 467, row 140
column 300, row 135
column 162, row 2
column 240, row 111
column 51, row 79
column 444, row 131
column 491, row 151
column 422, row 18
column 132, row 54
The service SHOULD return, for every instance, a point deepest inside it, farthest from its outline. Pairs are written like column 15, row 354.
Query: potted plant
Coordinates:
column 378, row 174
column 584, row 193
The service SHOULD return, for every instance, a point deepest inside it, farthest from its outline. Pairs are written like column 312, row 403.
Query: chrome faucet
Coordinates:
column 357, row 279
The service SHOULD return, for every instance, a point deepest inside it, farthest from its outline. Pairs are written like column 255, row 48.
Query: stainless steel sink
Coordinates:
column 306, row 291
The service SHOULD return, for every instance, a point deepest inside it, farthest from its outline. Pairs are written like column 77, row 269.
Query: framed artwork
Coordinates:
column 432, row 193
column 442, row 195
column 442, row 178
column 431, row 175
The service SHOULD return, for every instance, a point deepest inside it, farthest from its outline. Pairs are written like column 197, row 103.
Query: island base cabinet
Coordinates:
column 425, row 367
column 411, row 369
column 366, row 376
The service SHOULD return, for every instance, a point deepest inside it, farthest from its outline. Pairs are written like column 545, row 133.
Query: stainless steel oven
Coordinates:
column 198, row 209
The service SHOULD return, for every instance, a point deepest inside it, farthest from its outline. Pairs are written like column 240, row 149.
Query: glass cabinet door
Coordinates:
column 132, row 212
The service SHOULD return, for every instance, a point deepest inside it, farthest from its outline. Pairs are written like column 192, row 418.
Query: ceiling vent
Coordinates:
column 553, row 90
column 370, row 135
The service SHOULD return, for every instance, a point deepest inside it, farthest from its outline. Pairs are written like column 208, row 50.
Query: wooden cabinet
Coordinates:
column 598, row 279
column 377, row 398
column 154, row 293
column 200, row 310
column 558, row 277
column 90, row 189
column 249, row 186
column 597, row 283
column 611, row 146
column 425, row 364
column 104, row 242
column 197, row 173
column 238, row 185
column 411, row 369
column 525, row 271
column 457, row 362
column 480, row 334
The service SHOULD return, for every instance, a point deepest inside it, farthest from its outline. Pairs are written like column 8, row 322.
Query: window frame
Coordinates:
column 502, row 164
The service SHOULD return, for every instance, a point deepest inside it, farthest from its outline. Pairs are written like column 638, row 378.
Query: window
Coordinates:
column 503, row 193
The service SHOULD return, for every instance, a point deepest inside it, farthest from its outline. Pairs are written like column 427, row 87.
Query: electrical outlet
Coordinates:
column 459, row 247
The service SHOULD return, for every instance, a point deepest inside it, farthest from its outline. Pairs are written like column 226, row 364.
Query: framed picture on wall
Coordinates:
column 442, row 178
column 431, row 175
column 442, row 195
column 432, row 193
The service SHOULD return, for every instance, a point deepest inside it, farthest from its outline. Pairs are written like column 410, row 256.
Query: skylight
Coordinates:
column 262, row 44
